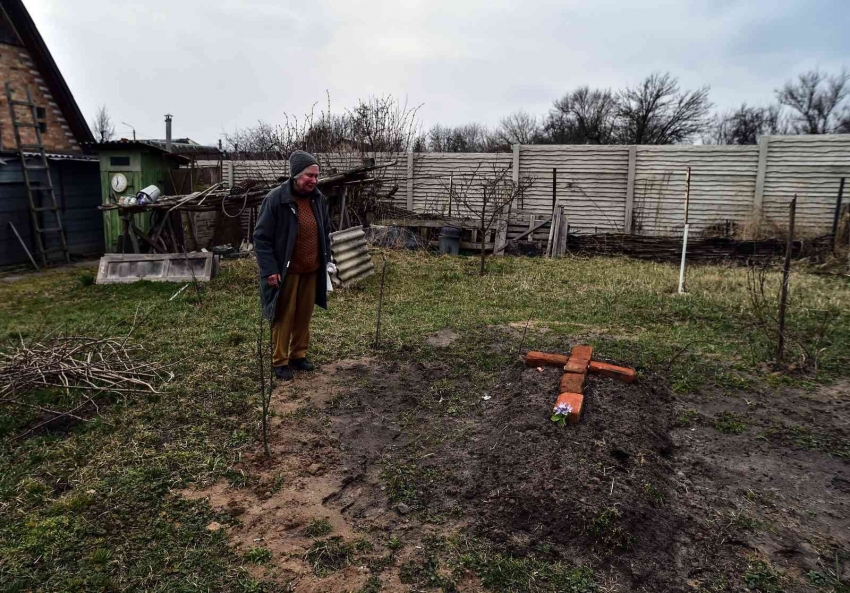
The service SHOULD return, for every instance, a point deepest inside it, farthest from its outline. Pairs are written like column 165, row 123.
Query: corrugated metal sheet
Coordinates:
column 723, row 181
column 591, row 183
column 811, row 167
column 351, row 255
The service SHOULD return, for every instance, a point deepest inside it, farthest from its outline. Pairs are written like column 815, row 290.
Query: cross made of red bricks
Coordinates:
column 576, row 366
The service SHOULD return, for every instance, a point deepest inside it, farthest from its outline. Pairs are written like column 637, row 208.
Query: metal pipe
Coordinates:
column 837, row 213
column 684, row 257
column 786, row 274
column 168, row 117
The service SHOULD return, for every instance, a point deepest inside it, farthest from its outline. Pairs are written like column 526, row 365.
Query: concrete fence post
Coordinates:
column 515, row 165
column 228, row 173
column 630, row 190
column 758, row 197
column 410, row 181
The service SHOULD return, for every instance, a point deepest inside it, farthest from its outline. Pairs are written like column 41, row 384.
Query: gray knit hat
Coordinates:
column 300, row 160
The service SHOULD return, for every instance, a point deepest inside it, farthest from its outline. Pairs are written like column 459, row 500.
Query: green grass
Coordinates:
column 318, row 528
column 328, row 555
column 445, row 561
column 95, row 507
column 258, row 555
column 729, row 423
column 762, row 578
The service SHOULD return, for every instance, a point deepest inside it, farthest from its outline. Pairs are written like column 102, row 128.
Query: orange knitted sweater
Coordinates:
column 305, row 256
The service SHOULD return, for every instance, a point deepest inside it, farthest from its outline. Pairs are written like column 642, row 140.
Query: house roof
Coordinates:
column 31, row 39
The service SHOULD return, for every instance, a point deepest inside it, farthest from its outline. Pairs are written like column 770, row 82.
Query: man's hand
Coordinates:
column 274, row 280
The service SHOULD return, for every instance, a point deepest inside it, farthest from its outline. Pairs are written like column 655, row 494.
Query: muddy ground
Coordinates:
column 403, row 477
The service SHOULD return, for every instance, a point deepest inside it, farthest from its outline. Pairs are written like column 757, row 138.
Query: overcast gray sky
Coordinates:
column 217, row 68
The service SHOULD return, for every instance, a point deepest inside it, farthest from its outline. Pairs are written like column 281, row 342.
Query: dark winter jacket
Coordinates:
column 274, row 241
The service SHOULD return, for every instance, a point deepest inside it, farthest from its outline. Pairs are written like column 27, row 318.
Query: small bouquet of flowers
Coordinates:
column 560, row 414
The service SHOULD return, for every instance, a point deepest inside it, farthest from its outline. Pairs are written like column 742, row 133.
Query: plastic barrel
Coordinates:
column 449, row 241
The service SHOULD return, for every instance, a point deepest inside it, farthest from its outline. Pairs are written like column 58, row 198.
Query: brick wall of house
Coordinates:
column 17, row 68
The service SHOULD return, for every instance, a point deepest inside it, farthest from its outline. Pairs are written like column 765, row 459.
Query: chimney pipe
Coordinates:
column 168, row 132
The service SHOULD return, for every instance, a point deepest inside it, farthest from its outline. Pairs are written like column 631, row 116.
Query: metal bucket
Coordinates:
column 151, row 192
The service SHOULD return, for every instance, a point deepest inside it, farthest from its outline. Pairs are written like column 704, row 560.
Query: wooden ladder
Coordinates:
column 36, row 207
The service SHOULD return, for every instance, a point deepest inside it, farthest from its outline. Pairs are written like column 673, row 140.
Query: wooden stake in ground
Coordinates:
column 380, row 303
column 837, row 214
column 786, row 272
column 265, row 399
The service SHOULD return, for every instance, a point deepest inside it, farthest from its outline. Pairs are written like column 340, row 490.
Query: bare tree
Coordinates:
column 376, row 130
column 102, row 126
column 464, row 138
column 583, row 116
column 745, row 125
column 519, row 127
column 817, row 102
column 656, row 112
column 487, row 194
column 271, row 141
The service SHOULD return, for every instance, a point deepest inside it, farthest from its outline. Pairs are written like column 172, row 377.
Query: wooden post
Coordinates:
column 837, row 213
column 564, row 229
column 786, row 273
column 551, row 245
column 380, row 304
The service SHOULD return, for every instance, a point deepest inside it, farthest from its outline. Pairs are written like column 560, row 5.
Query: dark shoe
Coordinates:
column 284, row 373
column 302, row 364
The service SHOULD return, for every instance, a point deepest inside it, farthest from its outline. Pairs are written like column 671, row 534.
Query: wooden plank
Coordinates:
column 463, row 223
column 531, row 229
column 564, row 232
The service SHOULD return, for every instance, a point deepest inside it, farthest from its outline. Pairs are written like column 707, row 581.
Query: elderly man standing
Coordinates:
column 292, row 242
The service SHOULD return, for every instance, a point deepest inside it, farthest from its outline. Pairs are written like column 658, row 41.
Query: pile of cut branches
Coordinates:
column 76, row 371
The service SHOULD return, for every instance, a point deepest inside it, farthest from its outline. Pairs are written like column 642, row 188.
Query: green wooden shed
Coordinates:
column 129, row 166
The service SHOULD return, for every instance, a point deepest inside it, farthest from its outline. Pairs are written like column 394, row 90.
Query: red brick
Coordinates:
column 579, row 359
column 626, row 375
column 575, row 400
column 15, row 70
column 542, row 359
column 572, row 383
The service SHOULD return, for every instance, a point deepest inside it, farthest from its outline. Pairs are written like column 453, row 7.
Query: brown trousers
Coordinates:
column 291, row 326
